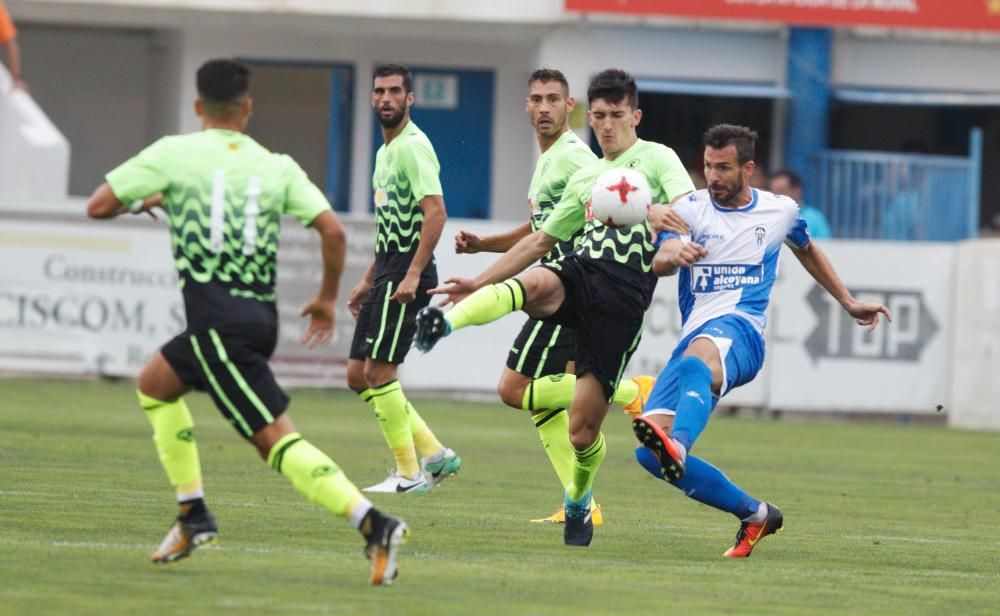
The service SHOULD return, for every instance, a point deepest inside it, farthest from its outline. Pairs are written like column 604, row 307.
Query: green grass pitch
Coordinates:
column 879, row 519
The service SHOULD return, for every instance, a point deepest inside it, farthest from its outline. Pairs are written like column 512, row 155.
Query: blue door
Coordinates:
column 455, row 109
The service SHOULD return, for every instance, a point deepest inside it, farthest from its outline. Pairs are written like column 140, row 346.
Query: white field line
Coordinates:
column 486, row 558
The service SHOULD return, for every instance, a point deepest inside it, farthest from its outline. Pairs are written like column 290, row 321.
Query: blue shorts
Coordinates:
column 740, row 347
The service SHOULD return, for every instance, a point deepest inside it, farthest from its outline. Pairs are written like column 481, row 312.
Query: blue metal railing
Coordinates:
column 883, row 195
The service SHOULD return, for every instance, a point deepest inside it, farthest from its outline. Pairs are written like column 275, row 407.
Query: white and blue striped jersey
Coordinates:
column 743, row 246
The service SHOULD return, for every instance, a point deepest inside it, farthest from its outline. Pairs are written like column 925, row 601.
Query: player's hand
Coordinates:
column 457, row 290
column 866, row 313
column 358, row 296
column 686, row 254
column 467, row 242
column 150, row 204
column 406, row 292
column 664, row 218
column 320, row 328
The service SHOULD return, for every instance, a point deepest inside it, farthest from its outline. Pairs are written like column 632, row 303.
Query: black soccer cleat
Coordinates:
column 194, row 528
column 431, row 327
column 579, row 528
column 383, row 534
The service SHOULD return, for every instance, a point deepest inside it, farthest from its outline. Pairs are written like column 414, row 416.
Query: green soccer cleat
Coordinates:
column 443, row 464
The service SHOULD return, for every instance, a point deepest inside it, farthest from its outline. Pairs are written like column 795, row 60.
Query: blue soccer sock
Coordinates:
column 705, row 484
column 694, row 405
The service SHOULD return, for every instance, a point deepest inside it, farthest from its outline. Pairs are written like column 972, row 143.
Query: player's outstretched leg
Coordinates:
column 753, row 531
column 173, row 434
column 316, row 476
column 483, row 306
column 708, row 485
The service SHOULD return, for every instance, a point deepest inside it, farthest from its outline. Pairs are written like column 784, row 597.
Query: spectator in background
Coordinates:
column 8, row 40
column 789, row 183
column 759, row 178
column 697, row 179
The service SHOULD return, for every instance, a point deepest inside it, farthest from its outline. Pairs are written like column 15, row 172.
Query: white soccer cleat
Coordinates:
column 401, row 484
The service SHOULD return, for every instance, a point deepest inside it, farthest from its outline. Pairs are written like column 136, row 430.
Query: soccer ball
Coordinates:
column 620, row 198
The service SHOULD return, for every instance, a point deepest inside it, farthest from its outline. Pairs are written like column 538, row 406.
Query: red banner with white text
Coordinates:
column 935, row 14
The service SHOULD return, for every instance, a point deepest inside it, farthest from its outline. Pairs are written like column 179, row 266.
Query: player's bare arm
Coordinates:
column 104, row 204
column 819, row 267
column 467, row 242
column 361, row 291
column 333, row 246
column 430, row 232
column 662, row 217
column 674, row 254
column 514, row 261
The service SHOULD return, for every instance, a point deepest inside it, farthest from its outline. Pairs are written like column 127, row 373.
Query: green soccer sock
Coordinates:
column 424, row 440
column 553, row 391
column 393, row 417
column 585, row 469
column 487, row 304
column 556, row 391
column 626, row 392
column 173, row 434
column 553, row 430
column 314, row 475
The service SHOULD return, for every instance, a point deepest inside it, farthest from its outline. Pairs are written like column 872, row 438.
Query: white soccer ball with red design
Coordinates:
column 620, row 198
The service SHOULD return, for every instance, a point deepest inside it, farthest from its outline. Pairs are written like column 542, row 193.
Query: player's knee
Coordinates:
column 357, row 382
column 356, row 376
column 512, row 394
column 378, row 374
column 583, row 437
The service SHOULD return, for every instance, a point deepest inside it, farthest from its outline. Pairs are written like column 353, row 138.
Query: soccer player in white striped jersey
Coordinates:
column 727, row 267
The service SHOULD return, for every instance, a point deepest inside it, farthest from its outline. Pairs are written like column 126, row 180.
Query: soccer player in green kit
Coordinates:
column 224, row 196
column 538, row 376
column 409, row 216
column 601, row 290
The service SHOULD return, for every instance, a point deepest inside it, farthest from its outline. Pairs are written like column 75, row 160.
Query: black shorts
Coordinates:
column 606, row 314
column 542, row 348
column 231, row 365
column 386, row 327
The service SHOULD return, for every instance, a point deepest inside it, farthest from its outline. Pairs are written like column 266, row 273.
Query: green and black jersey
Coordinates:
column 224, row 195
column 552, row 172
column 632, row 247
column 406, row 171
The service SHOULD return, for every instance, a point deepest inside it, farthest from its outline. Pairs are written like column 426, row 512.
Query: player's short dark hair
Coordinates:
column 223, row 81
column 745, row 140
column 794, row 179
column 614, row 86
column 549, row 74
column 388, row 69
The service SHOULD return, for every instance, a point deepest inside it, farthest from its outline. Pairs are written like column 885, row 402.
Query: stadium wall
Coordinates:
column 145, row 86
column 97, row 299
